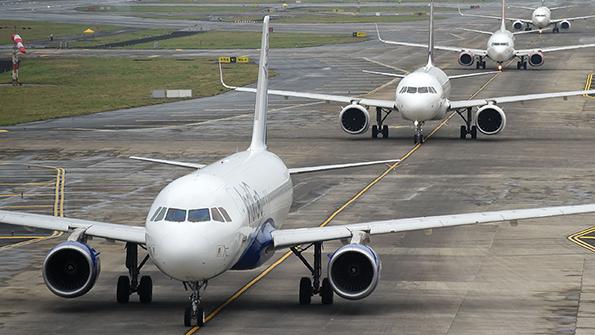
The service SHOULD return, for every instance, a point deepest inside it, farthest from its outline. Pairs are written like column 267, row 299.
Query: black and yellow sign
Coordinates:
column 227, row 60
column 584, row 238
column 243, row 59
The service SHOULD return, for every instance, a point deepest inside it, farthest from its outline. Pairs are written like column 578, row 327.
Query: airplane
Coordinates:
column 540, row 19
column 500, row 48
column 421, row 96
column 228, row 216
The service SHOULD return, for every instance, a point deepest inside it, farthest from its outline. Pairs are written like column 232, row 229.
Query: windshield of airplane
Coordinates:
column 199, row 215
column 410, row 89
column 495, row 44
column 175, row 215
column 218, row 214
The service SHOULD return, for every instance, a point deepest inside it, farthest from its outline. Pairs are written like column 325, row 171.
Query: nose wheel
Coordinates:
column 194, row 314
column 418, row 137
column 127, row 285
column 312, row 286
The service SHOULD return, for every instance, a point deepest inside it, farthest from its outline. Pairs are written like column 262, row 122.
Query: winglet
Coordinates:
column 260, row 109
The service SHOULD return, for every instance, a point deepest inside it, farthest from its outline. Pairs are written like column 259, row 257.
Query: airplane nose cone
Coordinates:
column 418, row 108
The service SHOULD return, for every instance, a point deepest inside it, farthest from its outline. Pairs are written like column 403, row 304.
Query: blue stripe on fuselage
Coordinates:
column 260, row 249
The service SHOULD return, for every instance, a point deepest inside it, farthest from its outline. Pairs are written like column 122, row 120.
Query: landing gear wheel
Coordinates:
column 474, row 132
column 518, row 65
column 123, row 290
column 463, row 132
column 374, row 131
column 200, row 317
column 326, row 292
column 305, row 291
column 188, row 316
column 385, row 131
column 556, row 30
column 478, row 65
column 418, row 139
column 483, row 64
column 145, row 290
column 524, row 65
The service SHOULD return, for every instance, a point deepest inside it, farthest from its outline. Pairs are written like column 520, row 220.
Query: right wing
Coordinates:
column 494, row 17
column 284, row 238
column 479, row 52
column 573, row 18
column 456, row 76
column 314, row 96
column 514, row 98
column 112, row 231
column 526, row 52
column 338, row 166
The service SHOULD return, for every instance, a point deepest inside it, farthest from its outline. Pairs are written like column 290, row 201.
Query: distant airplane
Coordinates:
column 227, row 216
column 500, row 48
column 421, row 96
column 540, row 19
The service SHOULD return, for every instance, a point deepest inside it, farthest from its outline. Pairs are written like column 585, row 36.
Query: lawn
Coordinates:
column 32, row 30
column 57, row 87
column 126, row 36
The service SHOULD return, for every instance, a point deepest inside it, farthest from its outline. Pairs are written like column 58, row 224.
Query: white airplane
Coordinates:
column 540, row 19
column 228, row 216
column 421, row 96
column 500, row 48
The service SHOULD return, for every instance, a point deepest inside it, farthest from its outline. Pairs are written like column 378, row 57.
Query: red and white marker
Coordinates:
column 18, row 41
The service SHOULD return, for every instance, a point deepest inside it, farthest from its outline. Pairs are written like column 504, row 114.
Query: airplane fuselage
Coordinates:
column 423, row 95
column 541, row 17
column 219, row 217
column 500, row 46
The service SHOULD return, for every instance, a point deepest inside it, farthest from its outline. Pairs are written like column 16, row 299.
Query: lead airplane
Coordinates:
column 500, row 48
column 541, row 18
column 228, row 216
column 423, row 95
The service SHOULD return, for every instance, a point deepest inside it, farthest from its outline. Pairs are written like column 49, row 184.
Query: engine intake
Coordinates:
column 354, row 271
column 70, row 269
column 466, row 58
column 536, row 59
column 565, row 25
column 518, row 25
column 490, row 119
column 355, row 119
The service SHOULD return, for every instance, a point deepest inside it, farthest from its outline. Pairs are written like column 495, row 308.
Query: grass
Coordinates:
column 32, row 30
column 58, row 87
column 248, row 40
column 350, row 19
column 127, row 36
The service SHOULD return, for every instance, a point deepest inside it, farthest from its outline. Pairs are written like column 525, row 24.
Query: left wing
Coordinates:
column 514, row 98
column 112, row 231
column 290, row 237
column 573, row 18
column 527, row 52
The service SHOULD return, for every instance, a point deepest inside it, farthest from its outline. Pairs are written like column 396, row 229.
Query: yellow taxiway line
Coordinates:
column 589, row 84
column 353, row 199
column 579, row 236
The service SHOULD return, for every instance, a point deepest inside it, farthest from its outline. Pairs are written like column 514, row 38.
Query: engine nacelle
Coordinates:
column 70, row 269
column 536, row 59
column 466, row 58
column 355, row 119
column 518, row 25
column 490, row 119
column 565, row 25
column 354, row 271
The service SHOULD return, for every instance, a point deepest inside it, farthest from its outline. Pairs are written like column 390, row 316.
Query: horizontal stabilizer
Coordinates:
column 164, row 161
column 338, row 166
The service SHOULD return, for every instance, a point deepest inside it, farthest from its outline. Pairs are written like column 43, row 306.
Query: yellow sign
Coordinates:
column 89, row 31
column 359, row 34
column 225, row 60
column 243, row 59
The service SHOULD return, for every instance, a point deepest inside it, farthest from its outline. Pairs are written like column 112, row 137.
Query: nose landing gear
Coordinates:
column 418, row 137
column 194, row 312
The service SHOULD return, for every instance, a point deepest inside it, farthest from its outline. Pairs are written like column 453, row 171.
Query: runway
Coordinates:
column 488, row 279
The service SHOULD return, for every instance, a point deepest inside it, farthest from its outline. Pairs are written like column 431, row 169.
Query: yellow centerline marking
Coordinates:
column 353, row 199
column 3, row 131
column 577, row 238
column 589, row 84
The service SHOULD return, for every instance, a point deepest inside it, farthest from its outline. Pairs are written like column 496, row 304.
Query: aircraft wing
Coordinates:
column 291, row 237
column 338, row 166
column 494, row 17
column 388, row 74
column 168, row 162
column 112, row 231
column 315, row 96
column 526, row 52
column 514, row 98
column 573, row 18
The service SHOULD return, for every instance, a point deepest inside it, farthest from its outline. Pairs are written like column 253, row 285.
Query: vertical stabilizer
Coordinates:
column 503, row 24
column 259, row 132
column 431, row 36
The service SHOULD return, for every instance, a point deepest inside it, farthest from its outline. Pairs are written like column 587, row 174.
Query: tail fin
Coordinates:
column 259, row 132
column 503, row 23
column 431, row 36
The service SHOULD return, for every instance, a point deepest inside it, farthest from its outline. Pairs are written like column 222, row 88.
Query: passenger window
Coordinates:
column 225, row 215
column 156, row 213
column 216, row 215
column 411, row 89
column 161, row 214
column 422, row 90
column 199, row 215
column 175, row 215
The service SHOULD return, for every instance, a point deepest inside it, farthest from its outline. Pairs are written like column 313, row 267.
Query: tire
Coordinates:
column 305, row 291
column 374, row 131
column 188, row 316
column 474, row 132
column 518, row 65
column 145, row 290
column 200, row 317
column 326, row 292
column 463, row 132
column 483, row 64
column 123, row 290
column 524, row 65
column 385, row 131
column 477, row 65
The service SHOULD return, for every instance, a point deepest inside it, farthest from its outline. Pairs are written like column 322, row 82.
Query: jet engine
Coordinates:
column 565, row 25
column 354, row 271
column 490, row 119
column 466, row 58
column 536, row 59
column 518, row 25
column 355, row 119
column 70, row 269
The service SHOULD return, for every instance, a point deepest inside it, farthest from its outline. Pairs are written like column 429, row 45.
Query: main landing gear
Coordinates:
column 310, row 287
column 418, row 137
column 467, row 129
column 193, row 312
column 128, row 285
column 379, row 127
column 481, row 63
column 556, row 29
column 522, row 63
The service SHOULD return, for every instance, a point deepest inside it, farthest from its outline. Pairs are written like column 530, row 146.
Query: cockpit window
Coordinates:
column 403, row 90
column 199, row 215
column 432, row 90
column 422, row 90
column 175, row 215
column 411, row 89
column 159, row 214
column 225, row 215
column 495, row 44
column 216, row 215
column 157, row 211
